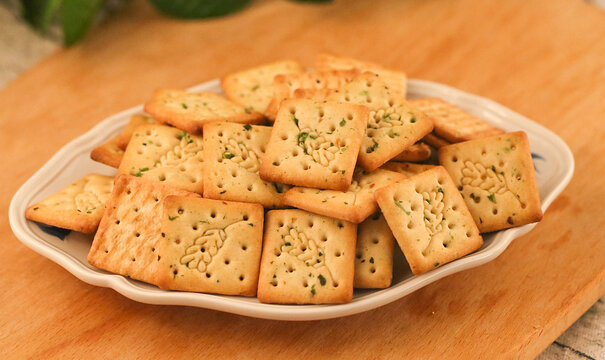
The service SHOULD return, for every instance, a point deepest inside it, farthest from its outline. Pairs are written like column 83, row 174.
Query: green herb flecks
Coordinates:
column 294, row 119
column 322, row 280
column 141, row 171
column 392, row 133
column 255, row 87
column 492, row 198
column 247, row 127
column 371, row 260
column 400, row 205
column 278, row 187
column 342, row 122
column 228, row 155
column 373, row 148
column 172, row 218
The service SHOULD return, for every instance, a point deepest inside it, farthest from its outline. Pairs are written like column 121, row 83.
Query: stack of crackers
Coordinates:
column 295, row 186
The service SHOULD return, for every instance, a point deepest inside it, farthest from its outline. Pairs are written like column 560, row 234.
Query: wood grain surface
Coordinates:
column 543, row 58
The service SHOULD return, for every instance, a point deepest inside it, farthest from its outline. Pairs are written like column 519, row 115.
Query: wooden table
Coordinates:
column 545, row 59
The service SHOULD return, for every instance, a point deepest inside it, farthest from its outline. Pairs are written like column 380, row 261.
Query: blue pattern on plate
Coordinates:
column 538, row 157
column 54, row 231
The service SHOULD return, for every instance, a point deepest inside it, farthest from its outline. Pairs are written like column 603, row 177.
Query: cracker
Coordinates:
column 232, row 162
column 429, row 219
column 406, row 168
column 254, row 88
column 307, row 259
column 416, row 152
column 396, row 80
column 126, row 242
column 210, row 246
column 190, row 111
column 109, row 153
column 354, row 205
column 314, row 144
column 393, row 125
column 435, row 141
column 126, row 134
column 78, row 207
column 165, row 154
column 452, row 123
column 286, row 85
column 496, row 178
column 374, row 253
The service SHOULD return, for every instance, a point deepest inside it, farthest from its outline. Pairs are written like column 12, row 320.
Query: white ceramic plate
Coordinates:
column 552, row 158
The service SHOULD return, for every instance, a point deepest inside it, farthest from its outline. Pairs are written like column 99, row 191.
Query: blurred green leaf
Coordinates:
column 191, row 9
column 76, row 17
column 39, row 13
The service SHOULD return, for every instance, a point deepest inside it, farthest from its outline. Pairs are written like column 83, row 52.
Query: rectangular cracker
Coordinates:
column 190, row 111
column 232, row 162
column 314, row 144
column 126, row 242
column 210, row 246
column 254, row 88
column 307, row 259
column 435, row 141
column 393, row 125
column 165, row 154
column 406, row 168
column 452, row 123
column 286, row 85
column 354, row 205
column 109, row 153
column 126, row 134
column 496, row 178
column 374, row 254
column 416, row 152
column 78, row 207
column 396, row 80
column 429, row 219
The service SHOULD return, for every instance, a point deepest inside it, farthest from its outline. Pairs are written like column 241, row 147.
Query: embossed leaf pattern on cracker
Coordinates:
column 200, row 254
column 478, row 176
column 385, row 118
column 182, row 152
column 433, row 211
column 316, row 144
column 87, row 201
column 240, row 154
column 307, row 250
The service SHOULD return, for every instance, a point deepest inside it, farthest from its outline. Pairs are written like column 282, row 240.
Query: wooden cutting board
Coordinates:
column 544, row 59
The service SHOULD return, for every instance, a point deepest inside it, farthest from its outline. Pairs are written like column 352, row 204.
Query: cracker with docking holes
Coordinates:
column 374, row 253
column 126, row 242
column 286, row 85
column 78, row 207
column 190, row 111
column 109, row 153
column 165, row 154
column 254, row 88
column 452, row 123
column 429, row 219
column 210, row 246
column 435, row 141
column 133, row 123
column 232, row 159
column 354, row 205
column 396, row 80
column 307, row 259
column 496, row 178
column 416, row 152
column 406, row 168
column 314, row 144
column 393, row 125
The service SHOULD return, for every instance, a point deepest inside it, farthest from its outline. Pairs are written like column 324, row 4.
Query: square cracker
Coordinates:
column 354, row 205
column 496, row 178
column 126, row 242
column 374, row 253
column 435, row 141
column 232, row 162
column 452, row 123
column 429, row 219
column 254, row 88
column 396, row 80
column 210, row 246
column 135, row 121
column 78, row 207
column 416, row 152
column 394, row 124
column 190, row 111
column 287, row 84
column 165, row 154
column 406, row 168
column 307, row 259
column 314, row 144
column 109, row 153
